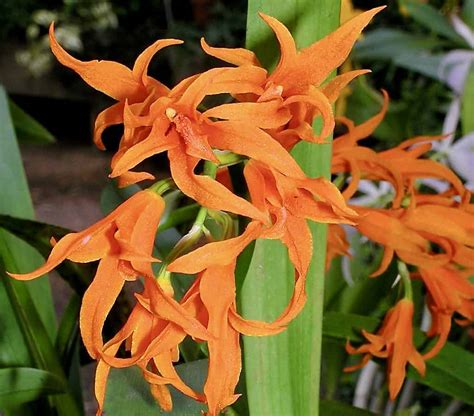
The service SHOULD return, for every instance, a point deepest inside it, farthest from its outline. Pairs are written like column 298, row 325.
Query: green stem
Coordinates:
column 282, row 372
column 163, row 186
column 405, row 276
column 179, row 216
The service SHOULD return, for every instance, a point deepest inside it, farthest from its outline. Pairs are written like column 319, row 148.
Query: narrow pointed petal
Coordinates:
column 220, row 253
column 101, row 375
column 334, row 87
column 97, row 303
column 235, row 56
column 322, row 105
column 217, row 289
column 140, row 68
column 205, row 190
column 243, row 139
column 314, row 63
column 287, row 45
column 266, row 115
column 111, row 116
column 154, row 144
column 130, row 178
column 111, row 78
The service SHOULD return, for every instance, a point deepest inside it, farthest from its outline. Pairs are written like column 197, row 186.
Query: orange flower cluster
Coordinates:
column 433, row 233
column 270, row 114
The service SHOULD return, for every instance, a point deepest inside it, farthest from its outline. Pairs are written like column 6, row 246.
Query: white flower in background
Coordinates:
column 373, row 194
column 454, row 70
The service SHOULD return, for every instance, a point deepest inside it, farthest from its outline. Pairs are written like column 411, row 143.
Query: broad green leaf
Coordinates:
column 433, row 20
column 467, row 119
column 282, row 372
column 388, row 44
column 450, row 372
column 128, row 394
column 36, row 338
column 27, row 129
column 16, row 201
column 68, row 332
column 23, row 384
column 333, row 408
column 27, row 308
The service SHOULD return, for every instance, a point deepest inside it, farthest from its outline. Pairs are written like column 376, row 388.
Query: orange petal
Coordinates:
column 140, row 68
column 220, row 253
column 363, row 130
column 111, row 78
column 287, row 46
column 266, row 115
column 240, row 80
column 154, row 144
column 298, row 239
column 235, row 56
column 243, row 139
column 165, row 366
column 101, row 375
column 97, row 303
column 314, row 63
column 205, row 190
column 217, row 291
column 320, row 102
column 167, row 308
column 130, row 178
column 260, row 328
column 109, row 117
column 333, row 88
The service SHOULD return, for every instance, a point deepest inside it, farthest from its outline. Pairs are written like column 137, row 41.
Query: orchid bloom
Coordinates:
column 449, row 291
column 393, row 341
column 123, row 242
column 296, row 86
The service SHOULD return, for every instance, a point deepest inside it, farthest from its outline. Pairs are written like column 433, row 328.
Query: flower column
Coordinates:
column 282, row 372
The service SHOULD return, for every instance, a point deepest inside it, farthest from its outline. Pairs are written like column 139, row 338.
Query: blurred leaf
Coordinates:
column 128, row 394
column 450, row 372
column 283, row 372
column 422, row 62
column 347, row 326
column 36, row 338
column 389, row 44
column 467, row 119
column 333, row 408
column 23, row 384
column 433, row 20
column 68, row 332
column 27, row 129
column 365, row 102
column 467, row 13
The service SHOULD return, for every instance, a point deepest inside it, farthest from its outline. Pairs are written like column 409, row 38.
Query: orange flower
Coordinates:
column 400, row 166
column 295, row 88
column 158, row 120
column 123, row 242
column 393, row 341
column 153, row 343
column 337, row 244
column 449, row 291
